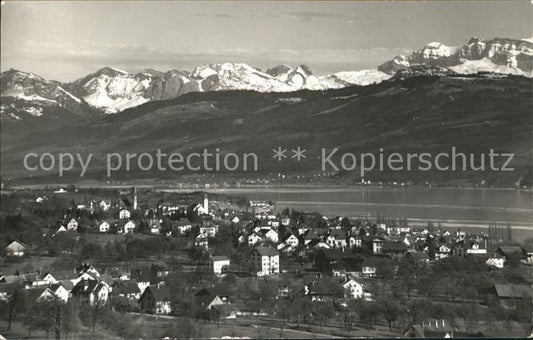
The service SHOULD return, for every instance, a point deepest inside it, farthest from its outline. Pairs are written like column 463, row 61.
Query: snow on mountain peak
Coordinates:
column 32, row 93
column 499, row 55
column 363, row 78
column 112, row 89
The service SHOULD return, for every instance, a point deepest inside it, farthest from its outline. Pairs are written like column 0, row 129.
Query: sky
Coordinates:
column 67, row 40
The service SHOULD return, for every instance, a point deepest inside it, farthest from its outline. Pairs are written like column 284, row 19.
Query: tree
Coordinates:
column 298, row 305
column 14, row 305
column 41, row 315
column 324, row 311
column 390, row 310
column 267, row 293
column 68, row 318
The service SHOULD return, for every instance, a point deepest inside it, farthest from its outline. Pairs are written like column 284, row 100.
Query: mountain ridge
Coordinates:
column 500, row 55
column 111, row 90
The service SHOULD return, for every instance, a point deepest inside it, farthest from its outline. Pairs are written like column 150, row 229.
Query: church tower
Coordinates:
column 134, row 198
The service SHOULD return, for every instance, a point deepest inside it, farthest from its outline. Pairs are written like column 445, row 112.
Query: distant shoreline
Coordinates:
column 273, row 187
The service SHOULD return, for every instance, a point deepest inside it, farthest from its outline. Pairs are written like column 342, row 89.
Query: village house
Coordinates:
column 56, row 230
column 49, row 278
column 274, row 223
column 202, row 209
column 290, row 240
column 337, row 262
column 218, row 263
column 214, row 305
column 104, row 205
column 201, row 241
column 443, row 251
column 40, row 199
column 512, row 253
column 430, row 329
column 62, row 290
column 180, row 228
column 528, row 251
column 511, row 294
column 337, row 239
column 265, row 261
column 124, row 214
column 86, row 276
column 468, row 247
column 352, row 289
column 377, row 245
column 155, row 226
column 310, row 235
column 91, row 292
column 393, row 249
column 270, row 235
column 407, row 240
column 86, row 267
column 315, row 245
column 209, row 230
column 321, row 290
column 126, row 227
column 105, row 226
column 25, row 280
column 241, row 237
column 72, row 225
column 461, row 235
column 144, row 277
column 254, row 238
column 496, row 261
column 256, row 228
column 369, row 268
column 40, row 295
column 56, row 292
column 156, row 299
column 355, row 242
column 207, row 298
column 224, row 311
column 302, row 229
column 128, row 289
column 17, row 249
column 397, row 229
column 167, row 209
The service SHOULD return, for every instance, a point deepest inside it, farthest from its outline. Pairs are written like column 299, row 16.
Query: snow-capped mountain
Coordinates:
column 363, row 78
column 113, row 90
column 499, row 55
column 30, row 94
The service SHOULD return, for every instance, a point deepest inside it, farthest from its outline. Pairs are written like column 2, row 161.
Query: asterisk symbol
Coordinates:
column 279, row 154
column 298, row 153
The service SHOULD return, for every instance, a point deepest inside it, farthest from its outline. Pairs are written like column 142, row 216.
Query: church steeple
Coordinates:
column 134, row 198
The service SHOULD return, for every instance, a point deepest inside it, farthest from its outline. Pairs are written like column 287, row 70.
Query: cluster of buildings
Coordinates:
column 340, row 256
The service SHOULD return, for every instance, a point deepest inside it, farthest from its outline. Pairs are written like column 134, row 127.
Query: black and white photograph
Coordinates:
column 266, row 169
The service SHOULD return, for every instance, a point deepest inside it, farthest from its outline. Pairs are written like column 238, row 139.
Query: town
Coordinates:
column 116, row 263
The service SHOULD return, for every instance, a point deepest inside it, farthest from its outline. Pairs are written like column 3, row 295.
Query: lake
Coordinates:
column 453, row 207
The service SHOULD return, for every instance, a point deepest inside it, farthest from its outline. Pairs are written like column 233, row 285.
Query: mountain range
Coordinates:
column 111, row 90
